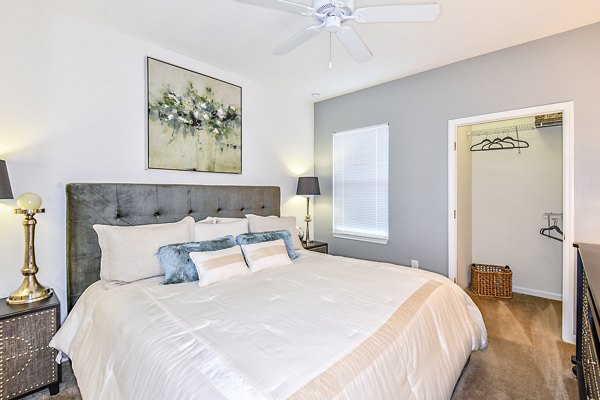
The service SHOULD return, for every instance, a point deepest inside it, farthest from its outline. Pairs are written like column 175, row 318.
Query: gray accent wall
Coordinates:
column 559, row 68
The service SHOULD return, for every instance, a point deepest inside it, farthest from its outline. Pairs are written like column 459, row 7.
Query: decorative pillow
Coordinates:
column 257, row 223
column 220, row 265
column 129, row 252
column 233, row 220
column 220, row 220
column 265, row 255
column 214, row 231
column 259, row 237
column 207, row 220
column 176, row 261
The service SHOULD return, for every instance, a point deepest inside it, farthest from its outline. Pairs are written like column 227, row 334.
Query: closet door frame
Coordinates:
column 568, row 134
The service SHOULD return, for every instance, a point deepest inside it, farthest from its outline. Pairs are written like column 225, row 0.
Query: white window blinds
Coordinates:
column 360, row 184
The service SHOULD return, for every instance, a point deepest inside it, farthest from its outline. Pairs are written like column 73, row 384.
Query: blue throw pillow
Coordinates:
column 259, row 237
column 175, row 258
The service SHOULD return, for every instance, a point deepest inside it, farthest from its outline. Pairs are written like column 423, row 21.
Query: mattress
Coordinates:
column 324, row 327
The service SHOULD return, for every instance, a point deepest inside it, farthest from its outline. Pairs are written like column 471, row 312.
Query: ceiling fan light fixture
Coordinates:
column 333, row 23
column 328, row 7
column 332, row 14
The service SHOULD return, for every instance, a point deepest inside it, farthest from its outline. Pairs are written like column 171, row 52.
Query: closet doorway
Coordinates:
column 510, row 197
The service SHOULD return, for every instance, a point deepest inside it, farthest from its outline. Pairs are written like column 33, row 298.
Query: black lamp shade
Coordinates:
column 5, row 189
column 308, row 185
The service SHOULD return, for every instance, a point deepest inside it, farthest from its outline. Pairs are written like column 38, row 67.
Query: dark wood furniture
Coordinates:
column 27, row 363
column 319, row 247
column 588, row 321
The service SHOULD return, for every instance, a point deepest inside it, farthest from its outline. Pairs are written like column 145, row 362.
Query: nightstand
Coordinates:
column 27, row 363
column 319, row 247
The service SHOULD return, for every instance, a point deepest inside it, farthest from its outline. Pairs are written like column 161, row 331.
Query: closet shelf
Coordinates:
column 503, row 130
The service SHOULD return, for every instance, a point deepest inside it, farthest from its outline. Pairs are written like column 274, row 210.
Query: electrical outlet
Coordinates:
column 414, row 263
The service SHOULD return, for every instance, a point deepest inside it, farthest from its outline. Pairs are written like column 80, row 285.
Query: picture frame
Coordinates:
column 194, row 121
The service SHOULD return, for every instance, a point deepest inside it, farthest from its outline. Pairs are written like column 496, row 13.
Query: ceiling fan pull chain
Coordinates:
column 330, row 52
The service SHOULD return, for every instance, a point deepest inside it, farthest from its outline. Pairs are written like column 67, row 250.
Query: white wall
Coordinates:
column 511, row 192
column 72, row 109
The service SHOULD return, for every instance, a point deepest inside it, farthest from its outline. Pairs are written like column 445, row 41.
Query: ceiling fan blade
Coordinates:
column 398, row 13
column 282, row 5
column 297, row 39
column 354, row 44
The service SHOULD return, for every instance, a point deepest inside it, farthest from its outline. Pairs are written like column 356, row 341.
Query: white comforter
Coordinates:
column 324, row 327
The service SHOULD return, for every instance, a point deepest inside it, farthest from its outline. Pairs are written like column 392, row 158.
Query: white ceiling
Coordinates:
column 239, row 38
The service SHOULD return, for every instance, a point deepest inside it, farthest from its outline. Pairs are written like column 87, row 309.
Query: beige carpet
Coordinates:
column 525, row 359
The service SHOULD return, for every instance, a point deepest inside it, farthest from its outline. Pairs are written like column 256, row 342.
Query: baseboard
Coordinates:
column 538, row 293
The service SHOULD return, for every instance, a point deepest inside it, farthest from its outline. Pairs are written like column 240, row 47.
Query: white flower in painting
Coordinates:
column 188, row 105
column 232, row 108
column 185, row 121
column 215, row 130
column 173, row 97
column 170, row 117
column 206, row 116
column 218, row 123
column 195, row 114
column 203, row 106
column 220, row 113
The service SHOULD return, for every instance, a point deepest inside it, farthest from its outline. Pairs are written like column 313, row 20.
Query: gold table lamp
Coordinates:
column 308, row 186
column 30, row 290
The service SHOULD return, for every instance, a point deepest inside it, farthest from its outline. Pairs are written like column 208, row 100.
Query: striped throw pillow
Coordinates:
column 220, row 265
column 264, row 255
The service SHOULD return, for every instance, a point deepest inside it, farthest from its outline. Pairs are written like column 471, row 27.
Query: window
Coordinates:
column 360, row 184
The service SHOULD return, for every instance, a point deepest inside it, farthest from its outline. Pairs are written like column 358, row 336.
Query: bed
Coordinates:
column 324, row 327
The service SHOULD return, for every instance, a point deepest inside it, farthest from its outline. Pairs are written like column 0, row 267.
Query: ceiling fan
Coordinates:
column 331, row 15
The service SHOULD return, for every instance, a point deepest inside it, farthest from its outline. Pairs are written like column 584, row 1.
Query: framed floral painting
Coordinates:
column 194, row 121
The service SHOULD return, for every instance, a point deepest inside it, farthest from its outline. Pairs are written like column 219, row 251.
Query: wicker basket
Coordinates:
column 491, row 280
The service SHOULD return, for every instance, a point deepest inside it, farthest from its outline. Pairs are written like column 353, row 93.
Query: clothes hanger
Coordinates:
column 552, row 228
column 487, row 144
column 501, row 143
column 543, row 233
column 495, row 144
column 505, row 143
column 482, row 143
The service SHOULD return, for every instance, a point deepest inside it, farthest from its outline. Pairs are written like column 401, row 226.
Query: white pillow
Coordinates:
column 220, row 265
column 257, row 223
column 214, row 231
column 233, row 220
column 220, row 220
column 207, row 220
column 129, row 252
column 265, row 255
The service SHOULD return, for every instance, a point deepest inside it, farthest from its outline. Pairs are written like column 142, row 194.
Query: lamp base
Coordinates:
column 30, row 291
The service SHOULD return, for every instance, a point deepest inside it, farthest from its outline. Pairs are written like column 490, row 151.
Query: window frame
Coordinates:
column 364, row 237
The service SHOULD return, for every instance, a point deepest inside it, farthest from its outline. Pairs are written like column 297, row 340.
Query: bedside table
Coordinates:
column 319, row 247
column 27, row 363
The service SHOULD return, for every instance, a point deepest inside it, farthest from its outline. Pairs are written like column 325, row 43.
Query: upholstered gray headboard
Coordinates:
column 137, row 204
